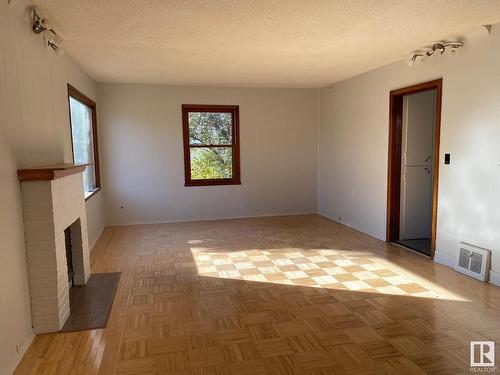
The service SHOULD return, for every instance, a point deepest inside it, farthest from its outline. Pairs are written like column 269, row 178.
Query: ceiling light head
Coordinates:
column 438, row 47
column 410, row 60
column 40, row 23
column 415, row 57
column 52, row 39
column 453, row 46
column 58, row 50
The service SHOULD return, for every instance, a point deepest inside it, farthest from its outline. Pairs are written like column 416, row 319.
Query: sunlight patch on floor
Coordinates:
column 316, row 268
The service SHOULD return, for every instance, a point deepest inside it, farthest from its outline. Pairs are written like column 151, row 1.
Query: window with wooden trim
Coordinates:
column 83, row 122
column 211, row 144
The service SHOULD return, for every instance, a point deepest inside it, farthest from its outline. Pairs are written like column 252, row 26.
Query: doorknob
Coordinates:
column 427, row 170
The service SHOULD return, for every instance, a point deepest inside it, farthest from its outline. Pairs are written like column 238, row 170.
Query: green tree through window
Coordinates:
column 211, row 144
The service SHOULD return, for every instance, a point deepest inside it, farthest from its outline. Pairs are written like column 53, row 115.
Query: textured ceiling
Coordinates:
column 272, row 43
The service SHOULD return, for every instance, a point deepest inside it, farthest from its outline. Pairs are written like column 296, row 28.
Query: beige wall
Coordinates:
column 143, row 159
column 354, row 140
column 34, row 131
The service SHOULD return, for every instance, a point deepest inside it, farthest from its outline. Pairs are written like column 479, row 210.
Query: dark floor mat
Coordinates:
column 91, row 303
column 422, row 245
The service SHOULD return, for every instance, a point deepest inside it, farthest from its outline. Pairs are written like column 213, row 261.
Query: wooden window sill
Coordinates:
column 90, row 194
column 212, row 182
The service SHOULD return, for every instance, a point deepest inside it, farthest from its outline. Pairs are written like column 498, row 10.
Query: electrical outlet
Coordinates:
column 19, row 347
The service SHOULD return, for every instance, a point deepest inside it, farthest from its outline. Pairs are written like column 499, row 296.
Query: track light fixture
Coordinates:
column 42, row 26
column 437, row 49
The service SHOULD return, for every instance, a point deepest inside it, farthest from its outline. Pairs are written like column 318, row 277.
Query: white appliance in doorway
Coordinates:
column 417, row 165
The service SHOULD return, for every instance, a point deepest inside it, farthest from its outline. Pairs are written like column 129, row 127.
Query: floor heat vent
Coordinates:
column 473, row 261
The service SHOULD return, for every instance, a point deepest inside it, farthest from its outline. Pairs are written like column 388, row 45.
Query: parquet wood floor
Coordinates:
column 277, row 295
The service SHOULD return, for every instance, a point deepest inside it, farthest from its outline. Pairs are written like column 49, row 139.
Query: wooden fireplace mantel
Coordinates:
column 50, row 172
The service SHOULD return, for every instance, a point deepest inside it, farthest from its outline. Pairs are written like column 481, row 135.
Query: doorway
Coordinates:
column 412, row 193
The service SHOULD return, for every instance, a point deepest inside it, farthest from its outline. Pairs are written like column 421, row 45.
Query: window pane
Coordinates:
column 210, row 128
column 211, row 162
column 89, row 183
column 83, row 147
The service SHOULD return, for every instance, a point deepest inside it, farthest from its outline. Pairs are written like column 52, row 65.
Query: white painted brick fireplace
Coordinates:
column 53, row 200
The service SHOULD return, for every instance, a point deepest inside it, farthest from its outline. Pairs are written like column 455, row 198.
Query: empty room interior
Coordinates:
column 249, row 187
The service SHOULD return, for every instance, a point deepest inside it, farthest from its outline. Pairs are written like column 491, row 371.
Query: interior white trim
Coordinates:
column 295, row 213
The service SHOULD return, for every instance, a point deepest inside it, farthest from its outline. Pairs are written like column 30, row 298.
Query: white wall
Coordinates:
column 354, row 140
column 95, row 216
column 34, row 131
column 143, row 167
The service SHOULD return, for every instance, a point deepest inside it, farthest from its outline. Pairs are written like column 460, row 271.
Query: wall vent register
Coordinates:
column 473, row 261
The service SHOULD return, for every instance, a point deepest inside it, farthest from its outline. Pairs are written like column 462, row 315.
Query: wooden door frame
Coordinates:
column 394, row 158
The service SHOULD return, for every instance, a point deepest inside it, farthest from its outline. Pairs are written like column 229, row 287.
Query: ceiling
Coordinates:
column 270, row 43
